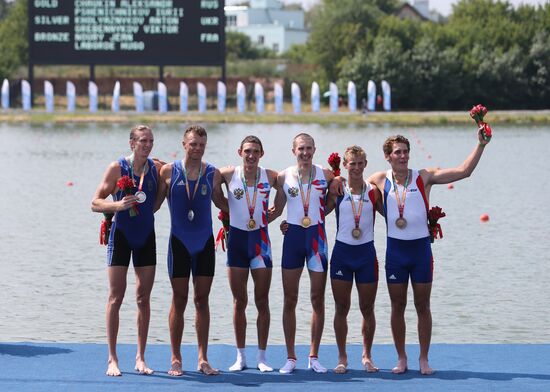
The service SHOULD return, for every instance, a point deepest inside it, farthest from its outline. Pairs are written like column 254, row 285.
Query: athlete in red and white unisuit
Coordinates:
column 248, row 245
column 303, row 188
column 408, row 253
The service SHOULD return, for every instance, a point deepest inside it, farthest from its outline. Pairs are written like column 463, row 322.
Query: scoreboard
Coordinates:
column 127, row 32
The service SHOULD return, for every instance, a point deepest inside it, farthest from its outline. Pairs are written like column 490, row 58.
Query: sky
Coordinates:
column 444, row 7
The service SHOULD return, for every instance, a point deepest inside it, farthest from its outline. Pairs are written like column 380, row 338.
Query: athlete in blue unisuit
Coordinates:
column 131, row 236
column 408, row 251
column 354, row 255
column 248, row 245
column 189, row 187
column 303, row 188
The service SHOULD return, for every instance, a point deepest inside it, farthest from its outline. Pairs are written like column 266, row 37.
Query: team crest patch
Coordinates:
column 238, row 193
column 204, row 189
column 293, row 192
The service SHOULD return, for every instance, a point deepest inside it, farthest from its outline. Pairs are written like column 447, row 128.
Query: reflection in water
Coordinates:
column 490, row 278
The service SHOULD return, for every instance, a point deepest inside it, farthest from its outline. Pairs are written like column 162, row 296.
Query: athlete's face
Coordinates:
column 142, row 143
column 399, row 156
column 303, row 149
column 194, row 145
column 251, row 154
column 355, row 165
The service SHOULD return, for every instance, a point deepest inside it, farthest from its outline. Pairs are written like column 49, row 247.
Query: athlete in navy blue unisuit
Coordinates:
column 188, row 185
column 131, row 236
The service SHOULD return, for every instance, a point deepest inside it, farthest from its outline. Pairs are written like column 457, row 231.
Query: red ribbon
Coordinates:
column 220, row 238
column 104, row 231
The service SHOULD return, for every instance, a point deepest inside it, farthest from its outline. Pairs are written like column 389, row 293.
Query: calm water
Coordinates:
column 491, row 279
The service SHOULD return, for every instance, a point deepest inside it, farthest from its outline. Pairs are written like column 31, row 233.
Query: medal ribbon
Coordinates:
column 305, row 201
column 140, row 186
column 401, row 206
column 252, row 206
column 356, row 215
column 189, row 197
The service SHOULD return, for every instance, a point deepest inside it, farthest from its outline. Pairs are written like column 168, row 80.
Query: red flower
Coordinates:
column 334, row 162
column 478, row 112
column 433, row 216
column 126, row 185
column 105, row 228
column 222, row 234
column 487, row 131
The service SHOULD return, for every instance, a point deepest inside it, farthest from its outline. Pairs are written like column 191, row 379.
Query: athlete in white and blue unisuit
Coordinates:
column 354, row 255
column 408, row 252
column 130, row 236
column 303, row 188
column 188, row 185
column 248, row 245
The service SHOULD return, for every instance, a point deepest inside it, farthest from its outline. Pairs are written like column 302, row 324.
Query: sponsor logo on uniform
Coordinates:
column 180, row 183
column 204, row 189
column 339, row 273
column 413, row 190
column 392, row 277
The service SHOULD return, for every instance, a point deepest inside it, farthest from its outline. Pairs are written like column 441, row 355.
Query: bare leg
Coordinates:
column 145, row 277
column 291, row 284
column 117, row 288
column 367, row 295
column 317, row 292
column 202, row 286
column 341, row 291
column 398, row 297
column 180, row 292
column 318, row 283
column 238, row 279
column 262, row 283
column 422, row 293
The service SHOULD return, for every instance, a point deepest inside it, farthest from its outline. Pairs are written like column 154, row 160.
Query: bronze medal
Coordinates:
column 356, row 233
column 401, row 223
column 306, row 221
column 251, row 224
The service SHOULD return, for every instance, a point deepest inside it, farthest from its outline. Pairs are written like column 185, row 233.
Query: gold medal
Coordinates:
column 356, row 233
column 401, row 223
column 306, row 221
column 251, row 224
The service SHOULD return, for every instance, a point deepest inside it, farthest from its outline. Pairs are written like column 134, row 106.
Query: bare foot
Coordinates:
column 401, row 367
column 141, row 367
column 425, row 369
column 112, row 369
column 205, row 368
column 369, row 365
column 175, row 369
column 340, row 368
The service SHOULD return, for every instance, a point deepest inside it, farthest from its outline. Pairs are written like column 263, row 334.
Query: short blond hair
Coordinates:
column 354, row 151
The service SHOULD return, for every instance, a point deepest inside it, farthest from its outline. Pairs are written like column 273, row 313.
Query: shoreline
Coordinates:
column 439, row 118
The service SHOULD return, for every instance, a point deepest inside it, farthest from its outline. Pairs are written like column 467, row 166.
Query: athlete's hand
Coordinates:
column 284, row 227
column 337, row 186
column 126, row 202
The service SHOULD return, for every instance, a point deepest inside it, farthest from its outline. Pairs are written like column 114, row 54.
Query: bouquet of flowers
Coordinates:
column 105, row 228
column 334, row 162
column 477, row 113
column 433, row 216
column 222, row 234
column 126, row 185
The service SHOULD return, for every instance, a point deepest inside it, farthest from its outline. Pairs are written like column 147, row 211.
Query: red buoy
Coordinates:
column 451, row 186
column 70, row 183
column 484, row 218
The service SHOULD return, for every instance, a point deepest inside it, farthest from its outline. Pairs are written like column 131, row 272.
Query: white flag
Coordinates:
column 115, row 103
column 201, row 95
column 222, row 95
column 259, row 94
column 241, row 97
column 163, row 97
column 315, row 97
column 352, row 97
column 26, row 95
column 184, row 97
column 71, row 96
column 92, row 93
column 296, row 98
column 138, row 97
column 278, row 93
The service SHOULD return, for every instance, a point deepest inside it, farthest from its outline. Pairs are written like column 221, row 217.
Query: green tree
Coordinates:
column 239, row 46
column 14, row 39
